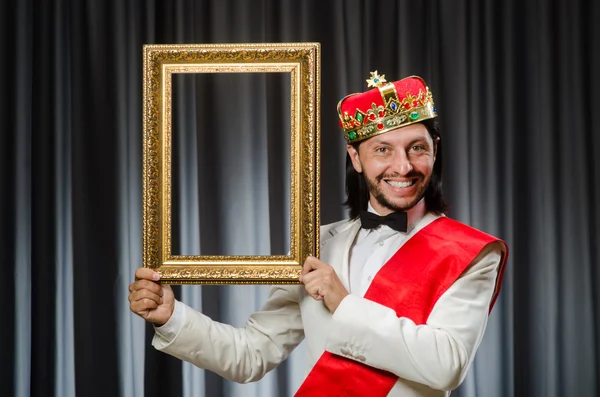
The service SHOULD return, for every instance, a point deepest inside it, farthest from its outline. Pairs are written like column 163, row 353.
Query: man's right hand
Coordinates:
column 149, row 299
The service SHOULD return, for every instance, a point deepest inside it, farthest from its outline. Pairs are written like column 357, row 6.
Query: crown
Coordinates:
column 386, row 107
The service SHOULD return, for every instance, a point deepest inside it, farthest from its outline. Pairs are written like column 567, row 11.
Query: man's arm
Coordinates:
column 238, row 354
column 437, row 354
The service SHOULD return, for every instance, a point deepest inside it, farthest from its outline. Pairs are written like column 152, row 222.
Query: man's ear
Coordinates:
column 435, row 147
column 354, row 157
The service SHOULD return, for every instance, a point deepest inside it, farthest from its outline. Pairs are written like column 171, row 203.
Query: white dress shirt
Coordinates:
column 372, row 248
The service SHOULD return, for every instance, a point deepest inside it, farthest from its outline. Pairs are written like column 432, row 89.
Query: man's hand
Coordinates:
column 322, row 283
column 150, row 300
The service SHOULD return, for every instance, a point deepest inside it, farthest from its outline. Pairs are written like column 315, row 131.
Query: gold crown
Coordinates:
column 381, row 109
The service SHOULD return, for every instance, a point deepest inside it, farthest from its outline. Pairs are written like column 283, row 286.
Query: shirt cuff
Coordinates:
column 169, row 330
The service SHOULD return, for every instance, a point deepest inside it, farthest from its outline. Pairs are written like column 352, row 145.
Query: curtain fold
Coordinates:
column 64, row 357
column 19, row 19
column 516, row 87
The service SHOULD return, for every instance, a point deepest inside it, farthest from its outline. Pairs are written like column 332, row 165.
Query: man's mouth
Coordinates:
column 399, row 184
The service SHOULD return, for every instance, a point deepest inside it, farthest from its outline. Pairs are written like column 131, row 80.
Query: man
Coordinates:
column 398, row 303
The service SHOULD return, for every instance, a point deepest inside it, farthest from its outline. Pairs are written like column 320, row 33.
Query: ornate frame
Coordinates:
column 302, row 61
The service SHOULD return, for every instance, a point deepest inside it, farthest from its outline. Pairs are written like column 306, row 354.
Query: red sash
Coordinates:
column 435, row 257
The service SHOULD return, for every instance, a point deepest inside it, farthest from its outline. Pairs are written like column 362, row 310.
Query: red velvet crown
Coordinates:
column 385, row 107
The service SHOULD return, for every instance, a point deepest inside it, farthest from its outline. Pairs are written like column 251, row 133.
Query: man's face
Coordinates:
column 397, row 167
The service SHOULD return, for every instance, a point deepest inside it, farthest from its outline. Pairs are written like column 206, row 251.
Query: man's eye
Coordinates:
column 381, row 150
column 418, row 148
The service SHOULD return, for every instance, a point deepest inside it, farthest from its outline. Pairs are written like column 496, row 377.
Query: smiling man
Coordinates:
column 398, row 302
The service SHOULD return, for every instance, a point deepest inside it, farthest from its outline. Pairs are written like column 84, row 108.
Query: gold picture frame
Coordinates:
column 302, row 62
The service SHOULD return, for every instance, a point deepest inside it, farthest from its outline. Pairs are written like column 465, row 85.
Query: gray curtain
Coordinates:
column 515, row 83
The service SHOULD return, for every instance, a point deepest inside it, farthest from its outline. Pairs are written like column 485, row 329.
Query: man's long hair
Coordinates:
column 357, row 191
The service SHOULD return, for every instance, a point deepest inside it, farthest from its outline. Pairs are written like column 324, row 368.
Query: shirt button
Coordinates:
column 381, row 243
column 369, row 278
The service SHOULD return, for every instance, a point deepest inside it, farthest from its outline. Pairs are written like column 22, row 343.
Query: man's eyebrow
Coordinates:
column 412, row 142
column 382, row 142
column 418, row 140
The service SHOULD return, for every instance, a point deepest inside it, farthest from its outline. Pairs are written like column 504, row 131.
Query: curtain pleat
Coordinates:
column 20, row 368
column 64, row 357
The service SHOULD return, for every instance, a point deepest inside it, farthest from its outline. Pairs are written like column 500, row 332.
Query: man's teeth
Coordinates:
column 401, row 184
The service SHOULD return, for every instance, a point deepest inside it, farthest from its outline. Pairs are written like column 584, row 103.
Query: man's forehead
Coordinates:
column 409, row 133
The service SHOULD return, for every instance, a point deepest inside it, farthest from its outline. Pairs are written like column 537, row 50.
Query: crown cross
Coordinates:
column 376, row 80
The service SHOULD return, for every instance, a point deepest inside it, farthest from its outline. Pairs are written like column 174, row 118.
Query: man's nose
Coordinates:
column 402, row 163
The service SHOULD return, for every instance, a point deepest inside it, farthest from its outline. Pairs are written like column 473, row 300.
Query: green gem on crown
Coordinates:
column 414, row 115
column 352, row 135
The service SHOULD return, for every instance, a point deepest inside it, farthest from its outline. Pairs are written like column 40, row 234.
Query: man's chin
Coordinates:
column 401, row 204
column 396, row 206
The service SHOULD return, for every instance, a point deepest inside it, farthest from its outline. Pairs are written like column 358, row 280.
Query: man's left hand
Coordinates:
column 322, row 283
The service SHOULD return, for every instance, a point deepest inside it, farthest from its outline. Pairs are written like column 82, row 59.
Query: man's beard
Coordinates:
column 376, row 192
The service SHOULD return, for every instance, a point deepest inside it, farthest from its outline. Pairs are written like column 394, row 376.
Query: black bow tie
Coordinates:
column 395, row 220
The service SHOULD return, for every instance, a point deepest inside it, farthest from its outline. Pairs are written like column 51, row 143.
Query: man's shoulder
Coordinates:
column 331, row 229
column 451, row 232
column 459, row 226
